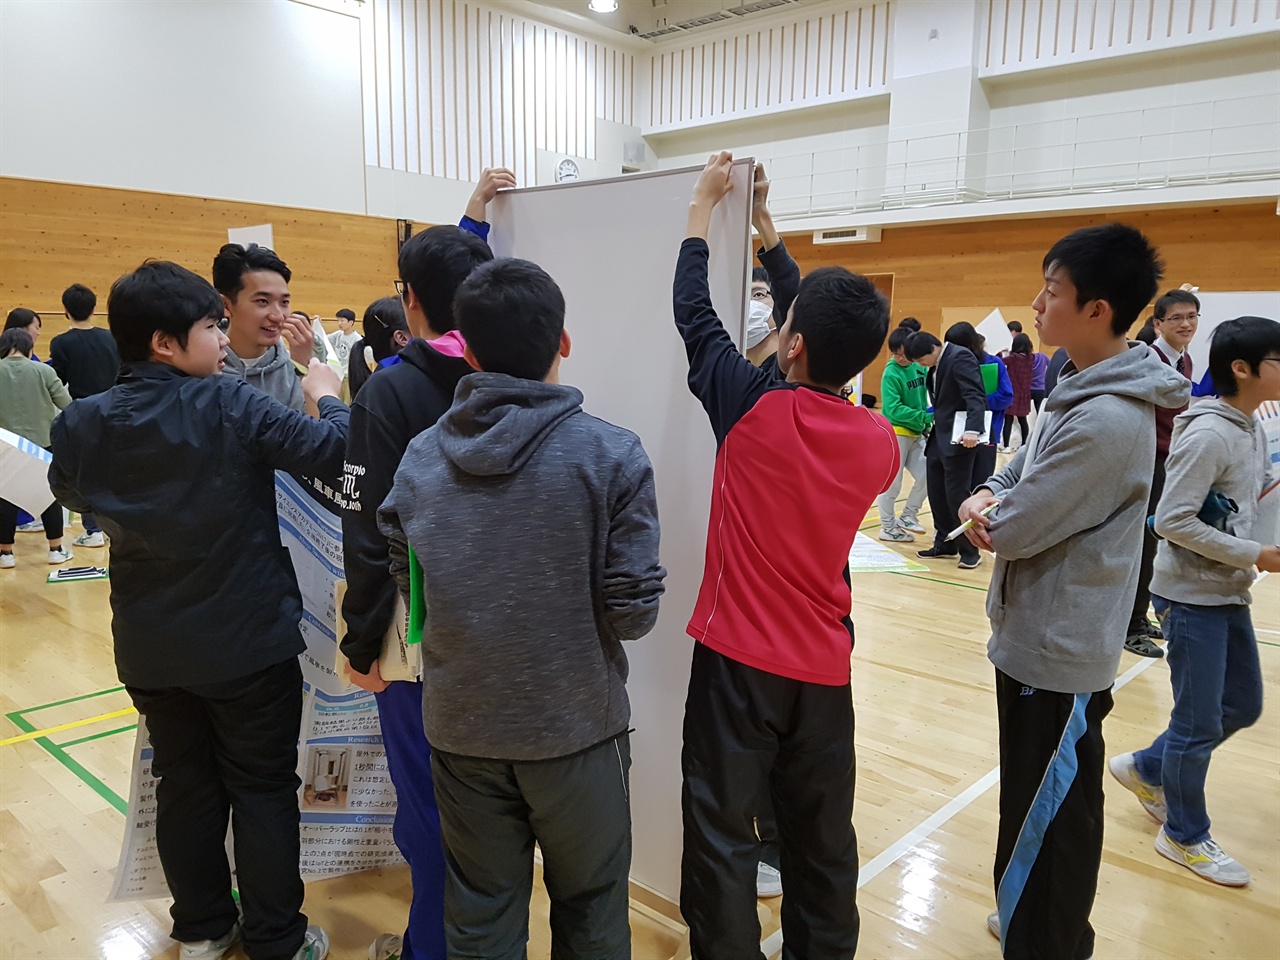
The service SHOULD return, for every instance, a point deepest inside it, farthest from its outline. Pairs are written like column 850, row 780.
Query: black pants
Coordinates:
column 950, row 481
column 230, row 747
column 1050, row 841
column 578, row 810
column 1142, row 596
column 1008, row 428
column 746, row 732
column 1037, row 400
column 51, row 518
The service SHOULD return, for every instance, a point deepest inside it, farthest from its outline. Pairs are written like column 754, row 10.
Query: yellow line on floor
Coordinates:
column 68, row 726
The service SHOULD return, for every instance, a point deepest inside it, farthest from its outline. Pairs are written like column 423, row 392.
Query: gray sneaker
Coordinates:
column 768, row 881
column 897, row 535
column 1125, row 769
column 211, row 949
column 1143, row 645
column 1205, row 858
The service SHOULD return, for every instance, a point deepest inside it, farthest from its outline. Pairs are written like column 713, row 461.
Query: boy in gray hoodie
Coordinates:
column 1072, row 502
column 1203, row 572
column 536, row 528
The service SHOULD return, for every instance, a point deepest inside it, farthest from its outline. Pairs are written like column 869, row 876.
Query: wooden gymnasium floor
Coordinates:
column 925, row 810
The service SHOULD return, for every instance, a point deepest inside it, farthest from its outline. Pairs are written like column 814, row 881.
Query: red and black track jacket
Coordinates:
column 796, row 471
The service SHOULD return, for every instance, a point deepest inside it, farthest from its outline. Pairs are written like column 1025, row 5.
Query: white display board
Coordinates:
column 1217, row 307
column 612, row 245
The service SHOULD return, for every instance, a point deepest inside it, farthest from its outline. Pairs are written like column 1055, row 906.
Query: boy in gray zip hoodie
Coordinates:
column 1072, row 502
column 536, row 528
column 1203, row 572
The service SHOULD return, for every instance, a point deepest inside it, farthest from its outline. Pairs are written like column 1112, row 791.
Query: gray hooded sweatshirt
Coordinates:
column 1068, row 534
column 1214, row 447
column 275, row 375
column 536, row 526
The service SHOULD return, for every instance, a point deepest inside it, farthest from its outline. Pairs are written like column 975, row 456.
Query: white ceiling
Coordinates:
column 641, row 17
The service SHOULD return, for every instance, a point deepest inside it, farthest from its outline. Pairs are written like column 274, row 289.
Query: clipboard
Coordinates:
column 958, row 428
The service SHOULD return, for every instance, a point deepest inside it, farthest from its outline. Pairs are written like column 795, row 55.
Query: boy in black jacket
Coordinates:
column 536, row 526
column 178, row 465
column 392, row 408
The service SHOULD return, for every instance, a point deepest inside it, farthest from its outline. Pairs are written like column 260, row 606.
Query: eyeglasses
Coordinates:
column 1180, row 318
column 1271, row 359
column 401, row 288
column 761, row 295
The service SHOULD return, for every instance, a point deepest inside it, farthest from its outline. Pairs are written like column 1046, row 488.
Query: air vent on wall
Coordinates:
column 660, row 32
column 703, row 21
column 848, row 235
column 746, row 8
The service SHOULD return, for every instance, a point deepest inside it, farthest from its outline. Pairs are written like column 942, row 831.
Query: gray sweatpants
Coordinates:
column 911, row 451
column 578, row 810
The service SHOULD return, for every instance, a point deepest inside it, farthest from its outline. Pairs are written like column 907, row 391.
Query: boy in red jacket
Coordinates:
column 770, row 706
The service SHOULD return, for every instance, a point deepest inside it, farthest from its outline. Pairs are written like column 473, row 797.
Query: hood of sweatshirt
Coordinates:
column 277, row 356
column 441, row 360
column 1211, row 408
column 1136, row 373
column 498, row 422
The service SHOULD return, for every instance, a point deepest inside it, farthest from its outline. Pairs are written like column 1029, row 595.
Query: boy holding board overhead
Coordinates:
column 770, row 706
column 1071, row 505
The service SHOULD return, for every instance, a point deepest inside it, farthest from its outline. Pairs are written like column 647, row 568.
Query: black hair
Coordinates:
column 1251, row 339
column 21, row 318
column 1111, row 262
column 158, row 297
column 382, row 319
column 1022, row 344
column 79, row 301
column 910, row 323
column 898, row 338
column 511, row 313
column 761, row 275
column 1147, row 333
column 434, row 263
column 869, row 401
column 963, row 334
column 921, row 345
column 1168, row 300
column 234, row 261
column 843, row 319
column 16, row 339
column 1014, row 326
column 345, row 314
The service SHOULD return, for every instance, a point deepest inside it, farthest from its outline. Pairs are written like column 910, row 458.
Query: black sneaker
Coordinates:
column 933, row 553
column 1143, row 646
column 1154, row 631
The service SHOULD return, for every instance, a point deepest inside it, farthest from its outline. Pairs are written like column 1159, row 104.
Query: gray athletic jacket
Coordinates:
column 536, row 526
column 275, row 375
column 1214, row 447
column 1068, row 534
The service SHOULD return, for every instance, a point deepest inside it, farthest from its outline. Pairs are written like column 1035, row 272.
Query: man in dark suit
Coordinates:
column 955, row 386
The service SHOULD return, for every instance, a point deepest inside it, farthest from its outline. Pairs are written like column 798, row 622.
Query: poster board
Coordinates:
column 612, row 246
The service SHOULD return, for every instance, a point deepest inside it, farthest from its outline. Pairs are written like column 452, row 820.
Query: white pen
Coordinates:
column 985, row 511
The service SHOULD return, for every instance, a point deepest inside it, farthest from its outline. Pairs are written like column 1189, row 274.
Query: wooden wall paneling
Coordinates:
column 56, row 234
column 985, row 264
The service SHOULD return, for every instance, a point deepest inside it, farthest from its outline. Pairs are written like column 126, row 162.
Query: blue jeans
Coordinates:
column 90, row 524
column 1217, row 690
column 417, row 826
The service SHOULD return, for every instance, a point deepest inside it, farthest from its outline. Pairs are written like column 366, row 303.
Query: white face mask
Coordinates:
column 758, row 326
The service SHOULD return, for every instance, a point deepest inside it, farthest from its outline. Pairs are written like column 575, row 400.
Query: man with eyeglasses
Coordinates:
column 1177, row 316
column 774, row 283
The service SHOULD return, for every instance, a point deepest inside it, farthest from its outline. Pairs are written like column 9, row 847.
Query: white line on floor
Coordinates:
column 771, row 946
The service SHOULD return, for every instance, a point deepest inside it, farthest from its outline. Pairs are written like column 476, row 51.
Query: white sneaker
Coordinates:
column 1205, row 858
column 7, row 561
column 1125, row 769
column 993, row 923
column 315, row 946
column 35, row 526
column 897, row 535
column 211, row 949
column 61, row 555
column 388, row 946
column 912, row 527
column 768, row 881
column 95, row 539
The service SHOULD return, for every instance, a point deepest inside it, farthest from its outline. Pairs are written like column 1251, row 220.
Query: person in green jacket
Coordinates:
column 905, row 404
column 30, row 397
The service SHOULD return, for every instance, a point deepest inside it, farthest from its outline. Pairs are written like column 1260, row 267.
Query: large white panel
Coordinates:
column 244, row 101
column 630, row 364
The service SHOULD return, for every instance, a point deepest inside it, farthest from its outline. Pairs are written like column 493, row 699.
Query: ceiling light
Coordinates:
column 603, row 6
